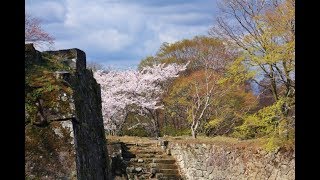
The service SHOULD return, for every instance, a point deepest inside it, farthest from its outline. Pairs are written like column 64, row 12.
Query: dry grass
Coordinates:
column 218, row 140
column 131, row 139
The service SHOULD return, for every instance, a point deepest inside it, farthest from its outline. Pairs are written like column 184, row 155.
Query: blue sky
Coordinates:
column 119, row 33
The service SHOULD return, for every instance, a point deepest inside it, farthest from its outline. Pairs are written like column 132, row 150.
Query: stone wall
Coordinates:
column 209, row 161
column 90, row 139
column 85, row 114
column 49, row 147
column 49, row 153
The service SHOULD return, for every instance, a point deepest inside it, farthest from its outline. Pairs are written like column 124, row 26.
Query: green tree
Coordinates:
column 264, row 32
column 198, row 51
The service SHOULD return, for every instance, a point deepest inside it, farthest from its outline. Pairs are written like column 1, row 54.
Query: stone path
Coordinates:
column 148, row 160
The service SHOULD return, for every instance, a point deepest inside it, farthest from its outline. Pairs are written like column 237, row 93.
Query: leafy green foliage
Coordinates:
column 229, row 109
column 170, row 130
column 196, row 51
column 148, row 61
column 261, row 123
column 138, row 131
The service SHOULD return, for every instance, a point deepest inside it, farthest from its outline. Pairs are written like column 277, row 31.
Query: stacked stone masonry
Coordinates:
column 87, row 123
column 217, row 162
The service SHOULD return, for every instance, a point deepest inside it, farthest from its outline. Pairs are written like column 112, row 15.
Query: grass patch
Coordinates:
column 218, row 140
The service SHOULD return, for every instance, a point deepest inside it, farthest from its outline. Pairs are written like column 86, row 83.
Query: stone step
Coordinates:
column 147, row 151
column 142, row 148
column 135, row 161
column 145, row 167
column 157, row 156
column 163, row 166
column 137, row 169
column 169, row 171
column 161, row 160
column 138, row 177
column 164, row 161
column 161, row 176
column 140, row 144
column 167, row 168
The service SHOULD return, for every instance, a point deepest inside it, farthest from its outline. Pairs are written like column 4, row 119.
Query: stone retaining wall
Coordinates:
column 209, row 161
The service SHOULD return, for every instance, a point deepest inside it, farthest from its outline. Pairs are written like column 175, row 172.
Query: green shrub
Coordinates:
column 262, row 123
column 172, row 131
column 269, row 122
column 138, row 131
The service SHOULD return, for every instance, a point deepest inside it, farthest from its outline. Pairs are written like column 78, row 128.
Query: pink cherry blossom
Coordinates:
column 121, row 90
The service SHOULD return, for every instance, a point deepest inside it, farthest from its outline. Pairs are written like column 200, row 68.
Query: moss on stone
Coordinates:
column 41, row 83
column 43, row 152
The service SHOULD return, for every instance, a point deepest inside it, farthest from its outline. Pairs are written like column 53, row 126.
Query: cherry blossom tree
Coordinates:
column 131, row 90
column 35, row 34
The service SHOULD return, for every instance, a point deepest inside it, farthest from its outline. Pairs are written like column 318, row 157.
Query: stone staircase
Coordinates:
column 149, row 161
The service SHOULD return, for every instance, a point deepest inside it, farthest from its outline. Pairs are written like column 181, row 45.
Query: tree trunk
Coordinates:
column 273, row 84
column 155, row 122
column 194, row 133
column 194, row 127
column 156, row 128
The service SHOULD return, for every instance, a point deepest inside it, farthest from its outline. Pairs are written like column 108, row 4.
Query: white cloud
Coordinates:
column 118, row 29
column 109, row 39
column 48, row 11
column 183, row 18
